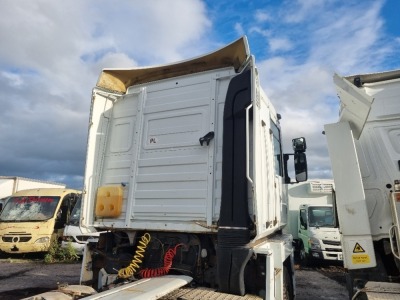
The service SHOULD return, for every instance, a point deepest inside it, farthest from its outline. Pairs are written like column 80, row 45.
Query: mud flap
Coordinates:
column 233, row 255
column 231, row 264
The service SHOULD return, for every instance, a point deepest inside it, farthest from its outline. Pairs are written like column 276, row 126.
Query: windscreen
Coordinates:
column 76, row 213
column 29, row 208
column 321, row 216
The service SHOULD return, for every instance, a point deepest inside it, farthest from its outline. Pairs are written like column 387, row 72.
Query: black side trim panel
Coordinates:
column 234, row 202
column 233, row 252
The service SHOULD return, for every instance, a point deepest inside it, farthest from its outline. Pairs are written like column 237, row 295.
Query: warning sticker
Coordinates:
column 358, row 248
column 360, row 259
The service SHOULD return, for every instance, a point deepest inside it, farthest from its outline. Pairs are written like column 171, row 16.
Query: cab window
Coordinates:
column 276, row 133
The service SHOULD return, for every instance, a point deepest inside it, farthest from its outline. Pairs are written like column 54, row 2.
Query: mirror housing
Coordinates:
column 300, row 160
column 299, row 144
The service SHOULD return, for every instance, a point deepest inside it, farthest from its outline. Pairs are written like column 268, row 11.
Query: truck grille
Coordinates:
column 17, row 238
column 333, row 249
column 333, row 243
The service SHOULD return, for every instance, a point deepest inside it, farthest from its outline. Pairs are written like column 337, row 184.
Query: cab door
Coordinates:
column 64, row 211
column 303, row 227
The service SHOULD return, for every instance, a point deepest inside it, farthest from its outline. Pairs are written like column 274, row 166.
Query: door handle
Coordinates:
column 207, row 138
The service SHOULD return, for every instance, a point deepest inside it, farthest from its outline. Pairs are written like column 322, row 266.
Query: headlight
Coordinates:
column 67, row 238
column 43, row 240
column 314, row 244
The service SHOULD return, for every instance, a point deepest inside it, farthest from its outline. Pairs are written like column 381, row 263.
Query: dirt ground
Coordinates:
column 20, row 278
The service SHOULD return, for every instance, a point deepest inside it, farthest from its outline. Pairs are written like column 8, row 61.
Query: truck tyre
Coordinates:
column 287, row 285
column 350, row 285
column 304, row 258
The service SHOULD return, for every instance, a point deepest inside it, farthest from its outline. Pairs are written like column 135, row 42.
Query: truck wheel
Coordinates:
column 350, row 285
column 287, row 285
column 304, row 259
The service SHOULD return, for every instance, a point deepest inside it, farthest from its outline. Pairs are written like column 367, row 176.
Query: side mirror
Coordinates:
column 303, row 224
column 299, row 145
column 300, row 166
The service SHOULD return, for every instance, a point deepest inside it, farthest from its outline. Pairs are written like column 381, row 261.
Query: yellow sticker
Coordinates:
column 358, row 249
column 360, row 259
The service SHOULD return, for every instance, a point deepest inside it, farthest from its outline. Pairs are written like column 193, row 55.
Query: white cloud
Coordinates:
column 262, row 16
column 350, row 39
column 261, row 31
column 280, row 44
column 51, row 56
column 40, row 33
column 345, row 39
column 153, row 31
column 302, row 10
column 239, row 29
column 13, row 79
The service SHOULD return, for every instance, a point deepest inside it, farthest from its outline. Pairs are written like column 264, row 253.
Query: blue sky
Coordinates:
column 52, row 53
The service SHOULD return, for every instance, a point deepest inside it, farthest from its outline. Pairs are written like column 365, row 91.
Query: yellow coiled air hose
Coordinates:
column 130, row 270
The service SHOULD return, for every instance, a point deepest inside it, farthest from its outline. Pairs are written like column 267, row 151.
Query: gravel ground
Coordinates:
column 23, row 278
column 20, row 278
column 322, row 282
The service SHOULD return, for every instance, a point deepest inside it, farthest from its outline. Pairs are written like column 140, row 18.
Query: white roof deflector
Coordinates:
column 232, row 55
column 355, row 104
column 375, row 77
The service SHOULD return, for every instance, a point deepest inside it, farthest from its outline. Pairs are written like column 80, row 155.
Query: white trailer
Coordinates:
column 364, row 149
column 312, row 221
column 12, row 184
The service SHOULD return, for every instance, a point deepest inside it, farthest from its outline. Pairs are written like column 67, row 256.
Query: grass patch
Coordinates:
column 57, row 254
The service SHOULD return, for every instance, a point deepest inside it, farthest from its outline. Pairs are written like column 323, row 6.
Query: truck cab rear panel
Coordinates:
column 157, row 155
column 149, row 145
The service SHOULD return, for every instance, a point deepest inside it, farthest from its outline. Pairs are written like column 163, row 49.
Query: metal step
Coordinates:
column 201, row 293
column 380, row 291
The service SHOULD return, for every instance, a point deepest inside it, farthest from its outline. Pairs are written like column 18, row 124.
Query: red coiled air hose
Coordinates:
column 168, row 258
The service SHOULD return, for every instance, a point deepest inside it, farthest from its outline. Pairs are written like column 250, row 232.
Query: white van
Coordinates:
column 74, row 234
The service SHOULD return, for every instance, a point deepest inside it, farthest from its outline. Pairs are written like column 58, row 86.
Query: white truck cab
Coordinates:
column 319, row 234
column 312, row 221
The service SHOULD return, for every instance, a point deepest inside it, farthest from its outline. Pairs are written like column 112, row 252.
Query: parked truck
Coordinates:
column 365, row 155
column 12, row 184
column 185, row 168
column 312, row 221
column 185, row 172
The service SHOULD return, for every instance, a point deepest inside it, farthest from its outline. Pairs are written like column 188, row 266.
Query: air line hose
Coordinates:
column 168, row 258
column 130, row 270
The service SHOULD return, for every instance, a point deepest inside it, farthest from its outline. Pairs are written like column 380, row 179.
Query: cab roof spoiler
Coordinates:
column 233, row 55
